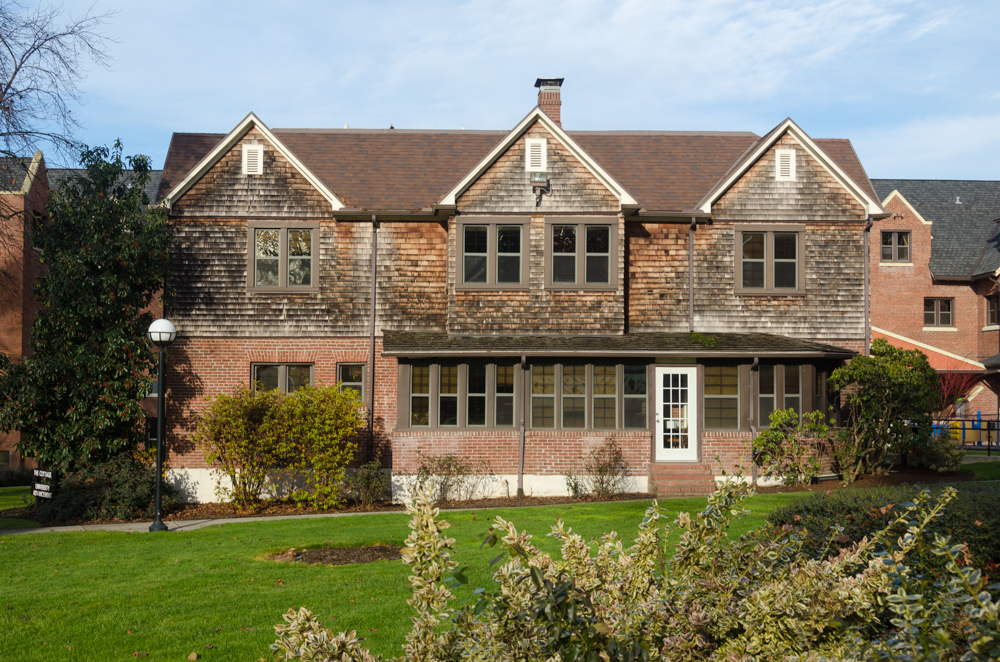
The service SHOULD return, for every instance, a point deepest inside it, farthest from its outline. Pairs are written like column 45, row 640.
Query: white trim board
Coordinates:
column 536, row 114
column 902, row 198
column 788, row 126
column 934, row 349
column 249, row 122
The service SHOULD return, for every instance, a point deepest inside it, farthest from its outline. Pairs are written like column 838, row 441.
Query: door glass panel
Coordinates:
column 675, row 433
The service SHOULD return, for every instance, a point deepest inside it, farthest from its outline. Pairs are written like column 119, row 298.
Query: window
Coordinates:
column 253, row 159
column 991, row 311
column 493, row 254
column 352, row 378
column 938, row 312
column 784, row 165
column 543, row 401
column 420, row 395
column 722, row 397
column 504, row 413
column 895, row 247
column 535, row 155
column 793, row 388
column 770, row 259
column 766, row 400
column 574, row 396
column 581, row 255
column 476, row 396
column 605, row 397
column 5, row 459
column 635, row 398
column 287, row 378
column 448, row 396
column 284, row 257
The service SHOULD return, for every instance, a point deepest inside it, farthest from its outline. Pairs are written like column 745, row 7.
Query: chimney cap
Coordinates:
column 549, row 82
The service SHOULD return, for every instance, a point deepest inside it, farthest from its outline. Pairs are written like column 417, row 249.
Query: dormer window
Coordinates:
column 535, row 155
column 253, row 159
column 784, row 165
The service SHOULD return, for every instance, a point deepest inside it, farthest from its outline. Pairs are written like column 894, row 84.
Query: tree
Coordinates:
column 41, row 67
column 891, row 395
column 75, row 399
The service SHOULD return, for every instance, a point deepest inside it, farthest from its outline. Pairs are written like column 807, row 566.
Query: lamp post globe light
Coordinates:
column 161, row 333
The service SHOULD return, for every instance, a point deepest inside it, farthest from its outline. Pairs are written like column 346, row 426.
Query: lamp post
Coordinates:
column 161, row 333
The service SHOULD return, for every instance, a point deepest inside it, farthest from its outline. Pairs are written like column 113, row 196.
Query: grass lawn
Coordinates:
column 104, row 596
column 983, row 470
column 10, row 497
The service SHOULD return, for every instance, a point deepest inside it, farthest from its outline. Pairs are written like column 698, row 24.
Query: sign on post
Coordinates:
column 44, row 489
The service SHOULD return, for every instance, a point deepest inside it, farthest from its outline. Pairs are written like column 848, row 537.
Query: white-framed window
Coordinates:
column 535, row 155
column 253, row 159
column 784, row 165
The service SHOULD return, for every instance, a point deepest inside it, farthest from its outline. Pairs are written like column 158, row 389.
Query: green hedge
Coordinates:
column 973, row 517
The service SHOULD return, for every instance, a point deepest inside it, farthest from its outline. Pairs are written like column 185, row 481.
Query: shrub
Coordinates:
column 705, row 597
column 606, row 473
column 938, row 453
column 122, row 488
column 787, row 447
column 452, row 478
column 16, row 477
column 973, row 517
column 242, row 434
column 319, row 423
column 369, row 483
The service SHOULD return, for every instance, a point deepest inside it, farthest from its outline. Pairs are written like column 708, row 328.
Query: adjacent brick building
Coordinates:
column 536, row 291
column 934, row 278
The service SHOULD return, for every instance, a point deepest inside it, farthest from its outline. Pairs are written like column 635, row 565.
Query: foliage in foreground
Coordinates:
column 713, row 598
column 308, row 434
column 973, row 517
column 123, row 488
column 891, row 395
column 76, row 398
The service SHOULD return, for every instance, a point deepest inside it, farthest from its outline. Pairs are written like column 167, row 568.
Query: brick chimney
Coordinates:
column 548, row 97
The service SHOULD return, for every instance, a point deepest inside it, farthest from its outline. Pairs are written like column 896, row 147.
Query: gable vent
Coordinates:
column 535, row 157
column 784, row 166
column 253, row 159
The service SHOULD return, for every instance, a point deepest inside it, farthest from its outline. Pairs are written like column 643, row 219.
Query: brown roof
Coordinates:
column 842, row 152
column 397, row 169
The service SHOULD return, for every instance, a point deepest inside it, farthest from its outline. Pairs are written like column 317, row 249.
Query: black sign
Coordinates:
column 43, row 474
column 46, row 486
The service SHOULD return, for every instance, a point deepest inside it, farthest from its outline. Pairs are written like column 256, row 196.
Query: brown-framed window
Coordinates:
column 492, row 253
column 543, row 396
column 991, row 311
column 766, row 400
column 770, row 259
column 581, row 253
column 4, row 459
column 504, row 388
column 284, row 257
column 574, row 397
column 939, row 312
column 634, row 397
column 448, row 396
column 476, row 393
column 420, row 395
column 605, row 397
column 285, row 377
column 351, row 377
column 722, row 397
column 793, row 388
column 895, row 247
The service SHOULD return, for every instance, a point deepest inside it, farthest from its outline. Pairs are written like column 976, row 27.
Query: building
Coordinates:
column 520, row 295
column 24, row 190
column 934, row 280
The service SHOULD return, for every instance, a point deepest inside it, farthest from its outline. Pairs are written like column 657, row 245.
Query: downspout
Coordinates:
column 753, row 426
column 371, row 351
column 868, row 320
column 694, row 221
column 520, row 449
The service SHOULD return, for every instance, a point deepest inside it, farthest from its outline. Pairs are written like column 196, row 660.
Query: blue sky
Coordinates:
column 913, row 84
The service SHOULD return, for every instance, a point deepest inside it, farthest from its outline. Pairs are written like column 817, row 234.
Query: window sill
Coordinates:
column 491, row 288
column 895, row 264
column 582, row 288
column 283, row 291
column 935, row 329
column 991, row 327
column 768, row 293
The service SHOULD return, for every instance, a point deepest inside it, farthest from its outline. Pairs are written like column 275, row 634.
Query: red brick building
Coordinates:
column 520, row 295
column 934, row 278
column 24, row 189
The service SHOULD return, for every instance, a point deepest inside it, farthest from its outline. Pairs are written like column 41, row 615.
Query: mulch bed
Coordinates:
column 897, row 476
column 341, row 555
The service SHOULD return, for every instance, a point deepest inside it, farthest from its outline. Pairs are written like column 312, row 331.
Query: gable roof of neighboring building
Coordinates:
column 59, row 175
column 13, row 172
column 964, row 217
column 398, row 169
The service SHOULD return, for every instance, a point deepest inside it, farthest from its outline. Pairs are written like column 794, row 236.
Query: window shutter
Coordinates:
column 253, row 158
column 784, row 165
column 535, row 155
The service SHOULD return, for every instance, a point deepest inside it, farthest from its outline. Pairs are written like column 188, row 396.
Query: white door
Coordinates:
column 676, row 435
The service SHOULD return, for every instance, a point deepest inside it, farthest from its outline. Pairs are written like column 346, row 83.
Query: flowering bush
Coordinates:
column 707, row 598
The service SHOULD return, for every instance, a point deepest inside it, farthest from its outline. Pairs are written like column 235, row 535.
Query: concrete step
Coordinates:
column 690, row 479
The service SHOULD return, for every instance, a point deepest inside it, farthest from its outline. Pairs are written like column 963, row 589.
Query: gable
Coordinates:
column 280, row 192
column 814, row 195
column 505, row 186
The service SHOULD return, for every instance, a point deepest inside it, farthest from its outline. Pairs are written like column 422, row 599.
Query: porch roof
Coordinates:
column 708, row 345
